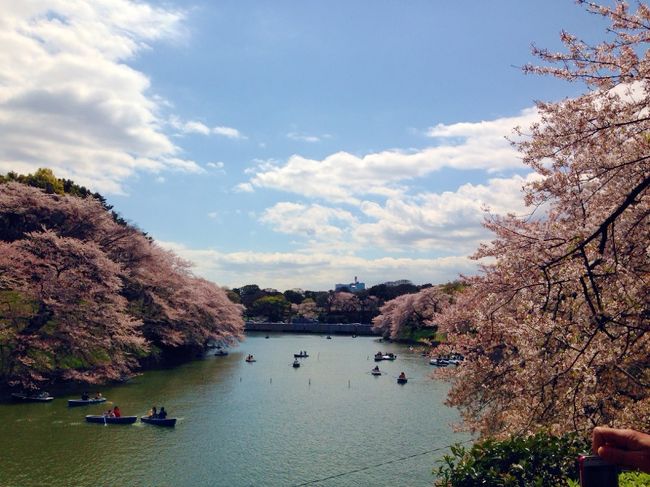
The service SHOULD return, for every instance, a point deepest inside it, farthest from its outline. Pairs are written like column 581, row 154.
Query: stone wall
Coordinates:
column 325, row 328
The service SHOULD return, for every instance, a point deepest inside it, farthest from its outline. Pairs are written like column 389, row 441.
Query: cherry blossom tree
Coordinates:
column 85, row 297
column 307, row 309
column 555, row 329
column 76, row 325
column 410, row 312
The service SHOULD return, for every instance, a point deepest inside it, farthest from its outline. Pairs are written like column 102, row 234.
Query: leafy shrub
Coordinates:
column 539, row 460
column 626, row 479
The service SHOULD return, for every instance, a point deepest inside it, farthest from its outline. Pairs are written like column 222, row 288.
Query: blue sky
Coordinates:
column 291, row 144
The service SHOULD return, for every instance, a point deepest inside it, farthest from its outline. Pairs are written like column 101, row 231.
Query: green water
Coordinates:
column 241, row 424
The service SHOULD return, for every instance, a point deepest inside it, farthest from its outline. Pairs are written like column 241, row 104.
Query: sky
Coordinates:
column 289, row 144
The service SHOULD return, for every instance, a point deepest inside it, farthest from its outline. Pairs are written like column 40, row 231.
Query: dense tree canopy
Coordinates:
column 410, row 312
column 83, row 296
column 556, row 328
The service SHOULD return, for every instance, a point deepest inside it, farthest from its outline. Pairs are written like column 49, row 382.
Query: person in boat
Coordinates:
column 162, row 414
column 116, row 412
column 98, row 395
column 402, row 375
column 85, row 396
column 109, row 413
column 376, row 369
column 152, row 413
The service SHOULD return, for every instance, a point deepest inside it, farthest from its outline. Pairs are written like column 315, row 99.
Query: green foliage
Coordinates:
column 293, row 296
column 539, row 460
column 233, row 296
column 42, row 361
column 249, row 294
column 45, row 178
column 424, row 335
column 453, row 287
column 626, row 479
column 70, row 362
column 16, row 309
column 386, row 293
column 274, row 308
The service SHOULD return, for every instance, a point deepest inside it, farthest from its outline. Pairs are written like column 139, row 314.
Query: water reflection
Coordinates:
column 244, row 424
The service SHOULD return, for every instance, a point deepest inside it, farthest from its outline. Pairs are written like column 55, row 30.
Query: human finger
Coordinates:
column 621, row 438
column 624, row 458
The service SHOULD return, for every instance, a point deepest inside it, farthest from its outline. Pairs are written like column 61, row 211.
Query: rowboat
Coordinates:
column 402, row 380
column 296, row 364
column 375, row 372
column 389, row 356
column 42, row 397
column 439, row 362
column 169, row 422
column 300, row 355
column 111, row 420
column 85, row 402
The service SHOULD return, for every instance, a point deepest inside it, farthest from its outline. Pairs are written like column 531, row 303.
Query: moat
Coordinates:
column 247, row 424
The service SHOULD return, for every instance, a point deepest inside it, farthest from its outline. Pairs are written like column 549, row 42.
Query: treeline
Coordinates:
column 84, row 296
column 343, row 307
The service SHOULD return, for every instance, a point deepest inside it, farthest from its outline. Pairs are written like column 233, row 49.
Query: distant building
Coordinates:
column 397, row 283
column 353, row 287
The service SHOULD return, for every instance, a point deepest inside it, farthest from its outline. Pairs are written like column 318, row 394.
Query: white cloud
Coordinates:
column 196, row 127
column 68, row 100
column 189, row 127
column 344, row 177
column 228, row 132
column 243, row 188
column 301, row 137
column 215, row 165
column 449, row 222
column 313, row 221
column 315, row 270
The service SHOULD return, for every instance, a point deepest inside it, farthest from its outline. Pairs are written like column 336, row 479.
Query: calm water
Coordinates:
column 240, row 424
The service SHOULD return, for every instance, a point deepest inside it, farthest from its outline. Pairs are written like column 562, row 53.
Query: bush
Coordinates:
column 539, row 460
column 627, row 479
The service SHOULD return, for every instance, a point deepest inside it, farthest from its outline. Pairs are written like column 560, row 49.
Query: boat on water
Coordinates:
column 34, row 397
column 389, row 356
column 379, row 357
column 300, row 355
column 220, row 352
column 99, row 418
column 85, row 402
column 296, row 364
column 168, row 422
column 250, row 359
column 328, row 337
column 375, row 371
column 402, row 380
column 439, row 362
